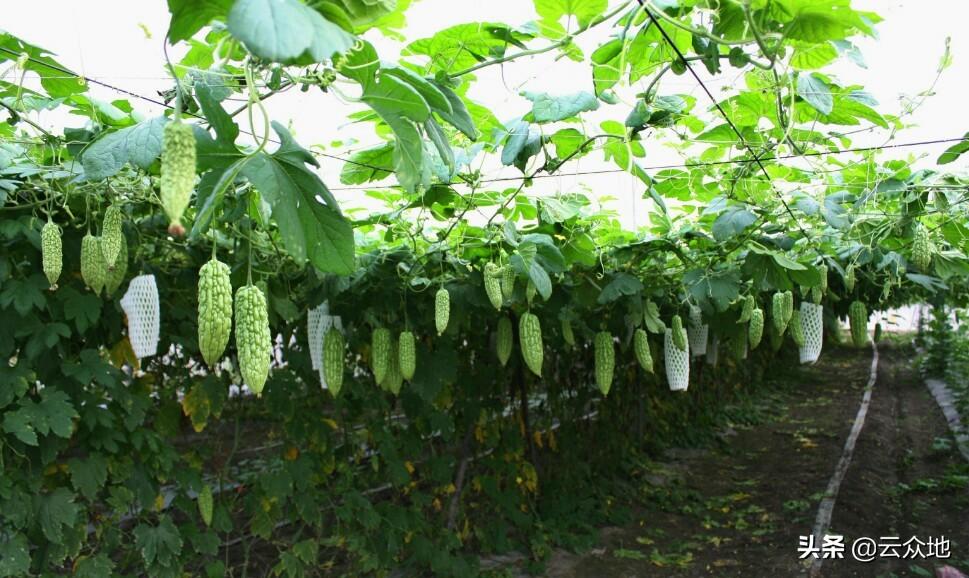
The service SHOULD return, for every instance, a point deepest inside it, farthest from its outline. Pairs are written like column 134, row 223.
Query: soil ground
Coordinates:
column 739, row 509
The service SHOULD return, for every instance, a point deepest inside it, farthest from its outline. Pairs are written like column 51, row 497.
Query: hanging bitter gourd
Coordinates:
column 407, row 355
column 755, row 329
column 922, row 248
column 253, row 341
column 507, row 282
column 679, row 334
column 93, row 268
column 215, row 310
column 177, row 172
column 567, row 334
column 332, row 366
column 492, row 283
column 530, row 338
column 877, row 336
column 796, row 329
column 115, row 277
column 858, row 318
column 442, row 310
column 504, row 340
column 380, row 349
column 778, row 316
column 748, row 307
column 206, row 504
column 111, row 235
column 394, row 379
column 738, row 345
column 52, row 252
column 788, row 306
column 605, row 361
column 641, row 348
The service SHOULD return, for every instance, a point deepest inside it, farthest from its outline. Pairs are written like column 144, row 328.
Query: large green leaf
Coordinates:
column 52, row 74
column 459, row 118
column 955, row 151
column 139, row 145
column 189, row 16
column 583, row 10
column 465, row 45
column 549, row 108
column 368, row 165
column 286, row 31
column 310, row 229
column 391, row 97
column 815, row 91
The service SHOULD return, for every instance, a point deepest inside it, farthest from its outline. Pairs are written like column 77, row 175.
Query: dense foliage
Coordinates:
column 422, row 451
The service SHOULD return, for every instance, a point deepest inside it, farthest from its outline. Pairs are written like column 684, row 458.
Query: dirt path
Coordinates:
column 739, row 510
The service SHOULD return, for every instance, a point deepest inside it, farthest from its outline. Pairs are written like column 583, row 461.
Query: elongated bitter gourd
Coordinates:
column 507, row 282
column 177, row 173
column 748, row 308
column 738, row 345
column 111, row 235
column 797, row 330
column 850, row 278
column 641, row 348
column 215, row 310
column 51, row 252
column 679, row 334
column 823, row 271
column 504, row 340
column 605, row 353
column 380, row 349
column 394, row 379
column 116, row 276
column 442, row 310
column 858, row 317
column 492, row 283
column 922, row 248
column 253, row 341
column 778, row 316
column 206, row 504
column 93, row 268
column 567, row 334
column 332, row 366
column 877, row 336
column 755, row 329
column 530, row 338
column 816, row 295
column 407, row 355
column 788, row 306
column 776, row 338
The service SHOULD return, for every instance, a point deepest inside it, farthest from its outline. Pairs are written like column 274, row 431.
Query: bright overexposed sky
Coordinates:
column 120, row 43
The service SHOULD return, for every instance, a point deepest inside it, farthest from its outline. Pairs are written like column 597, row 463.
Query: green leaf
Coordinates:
column 391, row 96
column 286, row 31
column 89, row 474
column 584, row 11
column 436, row 134
column 548, row 108
column 368, row 165
column 431, row 94
column 732, row 222
column 55, row 512
column 816, row 92
column 654, row 323
column 362, row 65
column 309, row 228
column 468, row 44
column 621, row 284
column 160, row 544
column 24, row 294
column 517, row 139
column 459, row 118
column 525, row 261
column 955, row 151
column 14, row 555
column 84, row 309
column 189, row 16
column 51, row 73
column 720, row 288
column 139, row 145
column 98, row 566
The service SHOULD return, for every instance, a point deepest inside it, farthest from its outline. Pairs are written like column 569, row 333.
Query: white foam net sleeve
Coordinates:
column 697, row 332
column 812, row 322
column 313, row 334
column 677, row 364
column 140, row 304
column 713, row 351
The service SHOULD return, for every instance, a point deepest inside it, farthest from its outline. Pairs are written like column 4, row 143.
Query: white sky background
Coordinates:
column 103, row 39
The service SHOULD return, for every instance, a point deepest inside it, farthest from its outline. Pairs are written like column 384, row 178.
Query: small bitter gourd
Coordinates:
column 877, row 336
column 567, row 334
column 507, row 282
column 778, row 316
column 641, row 347
column 922, row 248
column 504, row 340
column 679, row 333
column 755, row 329
column 380, row 349
column 52, row 252
column 177, row 172
column 333, row 346
column 530, row 337
column 858, row 318
column 748, row 308
column 215, row 310
column 442, row 310
column 93, row 268
column 206, row 504
column 492, row 283
column 253, row 341
column 796, row 329
column 111, row 235
column 116, row 276
column 605, row 358
column 407, row 355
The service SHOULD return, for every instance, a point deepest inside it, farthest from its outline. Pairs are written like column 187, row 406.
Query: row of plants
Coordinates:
column 491, row 357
